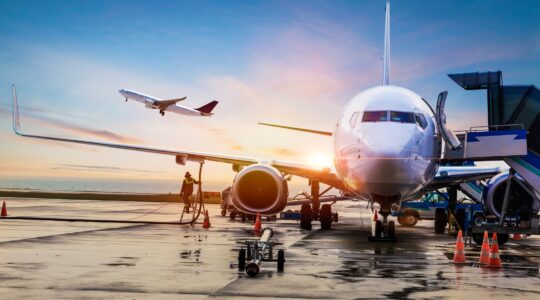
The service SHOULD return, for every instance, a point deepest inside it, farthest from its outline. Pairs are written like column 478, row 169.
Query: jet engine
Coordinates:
column 522, row 197
column 259, row 189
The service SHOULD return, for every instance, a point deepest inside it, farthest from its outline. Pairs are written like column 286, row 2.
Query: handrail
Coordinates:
column 495, row 127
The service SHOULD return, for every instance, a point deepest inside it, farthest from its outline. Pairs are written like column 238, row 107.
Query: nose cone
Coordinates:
column 122, row 91
column 387, row 158
column 388, row 140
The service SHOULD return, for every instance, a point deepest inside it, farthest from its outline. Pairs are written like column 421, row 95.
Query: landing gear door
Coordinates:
column 449, row 137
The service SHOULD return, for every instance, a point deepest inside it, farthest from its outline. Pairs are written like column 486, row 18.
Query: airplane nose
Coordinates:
column 389, row 143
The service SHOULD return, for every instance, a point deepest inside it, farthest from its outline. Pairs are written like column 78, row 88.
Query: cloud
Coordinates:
column 223, row 136
column 103, row 169
column 76, row 128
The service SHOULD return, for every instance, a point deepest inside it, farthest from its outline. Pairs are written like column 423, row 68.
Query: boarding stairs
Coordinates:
column 513, row 131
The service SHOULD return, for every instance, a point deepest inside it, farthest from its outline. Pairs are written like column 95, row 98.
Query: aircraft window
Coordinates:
column 375, row 116
column 354, row 119
column 403, row 117
column 420, row 120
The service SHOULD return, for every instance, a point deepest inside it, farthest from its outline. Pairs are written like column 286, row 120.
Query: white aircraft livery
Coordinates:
column 387, row 149
column 168, row 105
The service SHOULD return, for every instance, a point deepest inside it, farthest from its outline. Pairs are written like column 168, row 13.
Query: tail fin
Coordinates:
column 207, row 108
column 16, row 122
column 386, row 58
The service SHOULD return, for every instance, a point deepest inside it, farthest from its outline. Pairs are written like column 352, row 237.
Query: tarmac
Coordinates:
column 61, row 259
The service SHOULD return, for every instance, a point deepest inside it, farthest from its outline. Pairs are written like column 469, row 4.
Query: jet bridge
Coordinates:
column 513, row 131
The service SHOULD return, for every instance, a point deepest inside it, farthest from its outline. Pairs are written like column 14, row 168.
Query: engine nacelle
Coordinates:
column 259, row 189
column 520, row 198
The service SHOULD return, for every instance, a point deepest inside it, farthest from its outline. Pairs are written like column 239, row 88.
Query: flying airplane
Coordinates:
column 387, row 149
column 168, row 105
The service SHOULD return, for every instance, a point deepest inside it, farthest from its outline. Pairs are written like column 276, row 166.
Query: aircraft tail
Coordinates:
column 386, row 57
column 207, row 108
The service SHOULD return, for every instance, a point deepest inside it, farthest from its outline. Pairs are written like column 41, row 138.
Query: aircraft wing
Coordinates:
column 164, row 104
column 450, row 175
column 323, row 175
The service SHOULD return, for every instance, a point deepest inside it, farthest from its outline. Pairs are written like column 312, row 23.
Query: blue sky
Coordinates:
column 293, row 62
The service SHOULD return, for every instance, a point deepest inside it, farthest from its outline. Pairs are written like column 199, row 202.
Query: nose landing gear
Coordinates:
column 383, row 230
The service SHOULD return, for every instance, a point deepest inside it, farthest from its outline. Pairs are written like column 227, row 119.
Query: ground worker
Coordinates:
column 187, row 190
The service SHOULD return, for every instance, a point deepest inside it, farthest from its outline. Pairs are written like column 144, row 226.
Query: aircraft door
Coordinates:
column 449, row 137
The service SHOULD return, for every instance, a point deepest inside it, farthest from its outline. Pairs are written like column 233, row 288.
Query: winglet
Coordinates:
column 16, row 122
column 206, row 110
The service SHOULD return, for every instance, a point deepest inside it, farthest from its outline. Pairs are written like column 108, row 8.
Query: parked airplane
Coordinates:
column 168, row 105
column 387, row 149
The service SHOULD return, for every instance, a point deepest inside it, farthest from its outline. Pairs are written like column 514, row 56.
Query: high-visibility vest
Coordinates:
column 189, row 180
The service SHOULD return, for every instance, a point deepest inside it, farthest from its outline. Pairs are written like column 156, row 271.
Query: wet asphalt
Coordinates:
column 94, row 260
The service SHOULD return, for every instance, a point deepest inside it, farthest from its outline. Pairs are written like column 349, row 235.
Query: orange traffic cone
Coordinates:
column 494, row 259
column 375, row 217
column 459, row 252
column 484, row 254
column 4, row 210
column 257, row 226
column 206, row 222
column 517, row 237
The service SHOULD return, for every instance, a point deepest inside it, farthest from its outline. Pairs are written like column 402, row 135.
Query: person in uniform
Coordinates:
column 187, row 190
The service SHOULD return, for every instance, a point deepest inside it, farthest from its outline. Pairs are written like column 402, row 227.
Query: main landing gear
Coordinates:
column 310, row 212
column 162, row 112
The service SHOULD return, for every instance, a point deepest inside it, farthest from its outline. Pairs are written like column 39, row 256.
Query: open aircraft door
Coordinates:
column 448, row 136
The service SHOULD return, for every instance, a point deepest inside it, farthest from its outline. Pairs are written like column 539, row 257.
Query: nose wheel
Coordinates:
column 383, row 230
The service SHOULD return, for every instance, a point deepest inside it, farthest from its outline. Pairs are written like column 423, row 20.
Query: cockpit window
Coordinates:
column 375, row 116
column 420, row 120
column 403, row 117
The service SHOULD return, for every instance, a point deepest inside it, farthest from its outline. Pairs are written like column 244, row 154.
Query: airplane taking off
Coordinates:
column 387, row 149
column 168, row 105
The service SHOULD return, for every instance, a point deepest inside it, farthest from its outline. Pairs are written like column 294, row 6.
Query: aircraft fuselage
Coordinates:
column 386, row 144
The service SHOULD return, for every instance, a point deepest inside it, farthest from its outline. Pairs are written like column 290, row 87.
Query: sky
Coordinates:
column 292, row 62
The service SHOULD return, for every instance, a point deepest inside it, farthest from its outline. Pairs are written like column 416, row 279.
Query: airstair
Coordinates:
column 513, row 131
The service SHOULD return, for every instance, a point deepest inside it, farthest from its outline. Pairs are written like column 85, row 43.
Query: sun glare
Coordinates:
column 320, row 160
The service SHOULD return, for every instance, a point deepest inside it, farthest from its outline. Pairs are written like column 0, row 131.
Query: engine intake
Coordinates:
column 519, row 199
column 259, row 189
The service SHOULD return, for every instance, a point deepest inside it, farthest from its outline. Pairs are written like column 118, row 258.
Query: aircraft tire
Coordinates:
column 392, row 229
column 378, row 229
column 325, row 216
column 306, row 216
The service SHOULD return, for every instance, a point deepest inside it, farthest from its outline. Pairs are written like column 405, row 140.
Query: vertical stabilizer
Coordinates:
column 386, row 58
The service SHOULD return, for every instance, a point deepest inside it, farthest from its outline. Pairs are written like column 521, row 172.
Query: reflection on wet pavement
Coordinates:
column 46, row 259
